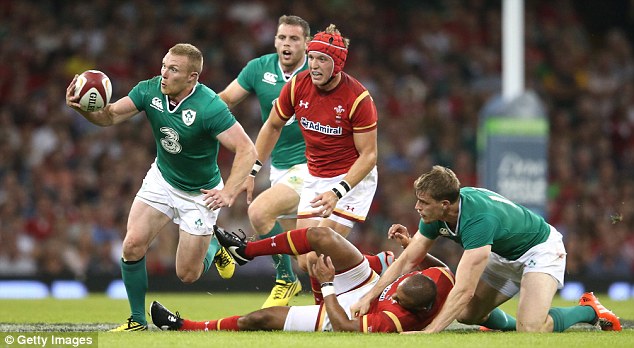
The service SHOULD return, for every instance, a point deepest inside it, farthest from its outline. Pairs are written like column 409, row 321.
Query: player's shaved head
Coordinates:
column 416, row 293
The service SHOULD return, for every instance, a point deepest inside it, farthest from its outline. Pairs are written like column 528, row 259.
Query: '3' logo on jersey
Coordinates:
column 170, row 141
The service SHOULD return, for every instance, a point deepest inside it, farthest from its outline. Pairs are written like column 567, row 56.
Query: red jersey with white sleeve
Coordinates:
column 386, row 315
column 328, row 120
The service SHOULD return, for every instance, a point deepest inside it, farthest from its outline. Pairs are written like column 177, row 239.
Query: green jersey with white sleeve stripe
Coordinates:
column 487, row 218
column 264, row 77
column 185, row 134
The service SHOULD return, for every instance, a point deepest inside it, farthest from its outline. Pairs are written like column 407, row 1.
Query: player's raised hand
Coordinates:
column 399, row 233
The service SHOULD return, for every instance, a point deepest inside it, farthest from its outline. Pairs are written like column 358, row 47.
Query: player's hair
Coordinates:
column 192, row 53
column 440, row 183
column 421, row 290
column 332, row 29
column 295, row 20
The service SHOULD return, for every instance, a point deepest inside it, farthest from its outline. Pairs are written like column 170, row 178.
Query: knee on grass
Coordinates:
column 470, row 318
column 470, row 321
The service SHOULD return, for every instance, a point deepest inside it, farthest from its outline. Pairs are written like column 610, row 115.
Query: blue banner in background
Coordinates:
column 513, row 150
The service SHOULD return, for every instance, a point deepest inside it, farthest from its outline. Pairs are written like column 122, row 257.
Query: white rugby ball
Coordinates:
column 94, row 90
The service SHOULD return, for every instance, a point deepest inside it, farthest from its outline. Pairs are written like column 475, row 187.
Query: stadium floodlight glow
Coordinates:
column 619, row 291
column 572, row 291
column 23, row 289
column 68, row 289
column 116, row 290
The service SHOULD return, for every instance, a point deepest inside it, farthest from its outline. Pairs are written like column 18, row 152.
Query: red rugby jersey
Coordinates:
column 328, row 120
column 386, row 315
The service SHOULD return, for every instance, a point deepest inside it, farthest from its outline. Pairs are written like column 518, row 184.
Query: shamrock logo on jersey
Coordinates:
column 188, row 116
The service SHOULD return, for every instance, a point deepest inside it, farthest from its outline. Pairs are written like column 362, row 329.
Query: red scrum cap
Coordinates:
column 332, row 45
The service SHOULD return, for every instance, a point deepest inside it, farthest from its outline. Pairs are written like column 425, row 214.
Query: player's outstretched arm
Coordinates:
column 469, row 270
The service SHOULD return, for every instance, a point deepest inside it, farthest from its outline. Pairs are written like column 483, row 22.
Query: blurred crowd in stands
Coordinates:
column 66, row 186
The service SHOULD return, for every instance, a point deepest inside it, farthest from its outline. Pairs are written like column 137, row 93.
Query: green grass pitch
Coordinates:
column 98, row 313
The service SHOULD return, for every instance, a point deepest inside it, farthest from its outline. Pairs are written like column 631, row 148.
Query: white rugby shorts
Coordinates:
column 548, row 257
column 292, row 177
column 351, row 208
column 186, row 209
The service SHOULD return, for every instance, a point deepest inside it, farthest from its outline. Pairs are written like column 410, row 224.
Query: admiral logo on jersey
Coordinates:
column 318, row 127
column 269, row 78
column 157, row 104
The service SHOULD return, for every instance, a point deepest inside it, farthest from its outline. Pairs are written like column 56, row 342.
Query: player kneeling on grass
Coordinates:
column 408, row 303
column 509, row 250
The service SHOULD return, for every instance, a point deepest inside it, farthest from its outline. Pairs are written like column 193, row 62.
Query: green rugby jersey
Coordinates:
column 264, row 77
column 185, row 136
column 487, row 218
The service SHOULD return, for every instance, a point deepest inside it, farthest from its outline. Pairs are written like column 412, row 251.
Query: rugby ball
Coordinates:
column 94, row 90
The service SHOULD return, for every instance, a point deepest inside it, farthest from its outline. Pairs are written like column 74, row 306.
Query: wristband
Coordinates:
column 327, row 289
column 256, row 168
column 341, row 188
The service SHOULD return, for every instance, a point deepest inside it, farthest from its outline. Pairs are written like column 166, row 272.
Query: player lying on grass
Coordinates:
column 408, row 303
